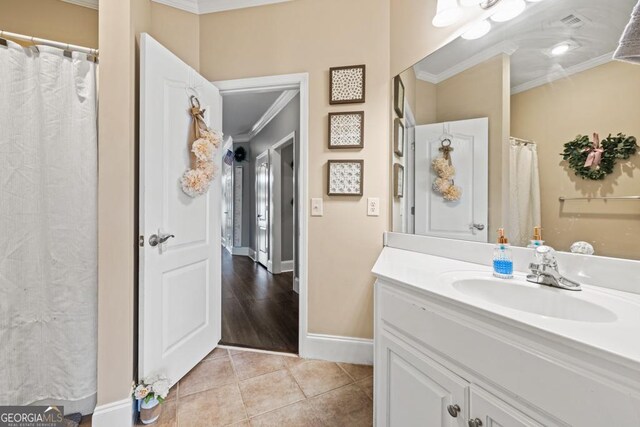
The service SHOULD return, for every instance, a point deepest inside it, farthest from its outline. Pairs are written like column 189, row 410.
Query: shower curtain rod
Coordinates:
column 524, row 141
column 36, row 40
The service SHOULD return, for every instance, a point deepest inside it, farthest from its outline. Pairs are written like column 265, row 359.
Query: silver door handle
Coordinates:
column 479, row 227
column 158, row 239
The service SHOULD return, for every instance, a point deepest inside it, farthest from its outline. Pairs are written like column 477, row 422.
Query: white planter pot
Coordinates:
column 150, row 411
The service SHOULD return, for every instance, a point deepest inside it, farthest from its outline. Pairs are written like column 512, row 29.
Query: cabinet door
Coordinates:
column 413, row 390
column 494, row 412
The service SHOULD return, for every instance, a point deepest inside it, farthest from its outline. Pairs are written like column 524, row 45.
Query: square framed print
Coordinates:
column 346, row 130
column 398, row 96
column 398, row 137
column 398, row 180
column 347, row 84
column 345, row 177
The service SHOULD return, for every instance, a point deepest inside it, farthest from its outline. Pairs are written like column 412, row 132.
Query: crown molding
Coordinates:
column 190, row 6
column 561, row 74
column 92, row 4
column 201, row 7
column 275, row 108
column 507, row 48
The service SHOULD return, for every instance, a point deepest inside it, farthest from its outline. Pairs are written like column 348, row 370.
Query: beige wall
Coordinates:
column 426, row 103
column 461, row 98
column 598, row 100
column 51, row 19
column 178, row 31
column 311, row 36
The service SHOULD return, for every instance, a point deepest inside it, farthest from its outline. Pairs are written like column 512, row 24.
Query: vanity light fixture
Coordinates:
column 508, row 9
column 478, row 30
column 447, row 13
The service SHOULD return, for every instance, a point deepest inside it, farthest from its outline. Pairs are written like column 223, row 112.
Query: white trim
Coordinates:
column 288, row 81
column 507, row 48
column 241, row 250
column 212, row 6
column 339, row 349
column 286, row 266
column 257, row 350
column 275, row 108
column 561, row 74
column 120, row 413
column 91, row 4
column 296, row 285
column 275, row 208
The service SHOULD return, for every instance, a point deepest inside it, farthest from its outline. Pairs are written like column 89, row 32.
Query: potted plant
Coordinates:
column 150, row 393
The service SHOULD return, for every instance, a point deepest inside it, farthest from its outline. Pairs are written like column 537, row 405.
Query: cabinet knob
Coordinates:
column 453, row 410
column 477, row 422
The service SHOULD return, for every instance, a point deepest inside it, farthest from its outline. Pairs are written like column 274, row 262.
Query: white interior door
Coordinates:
column 179, row 280
column 262, row 208
column 227, row 201
column 466, row 218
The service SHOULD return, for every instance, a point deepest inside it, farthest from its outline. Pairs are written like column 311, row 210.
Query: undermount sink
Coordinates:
column 518, row 294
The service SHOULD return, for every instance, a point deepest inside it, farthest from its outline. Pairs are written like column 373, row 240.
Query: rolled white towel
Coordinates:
column 629, row 48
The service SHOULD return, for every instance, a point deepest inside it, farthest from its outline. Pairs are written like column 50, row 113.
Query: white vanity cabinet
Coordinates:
column 434, row 355
column 416, row 390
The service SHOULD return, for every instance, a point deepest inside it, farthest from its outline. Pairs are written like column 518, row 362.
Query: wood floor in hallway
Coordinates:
column 259, row 309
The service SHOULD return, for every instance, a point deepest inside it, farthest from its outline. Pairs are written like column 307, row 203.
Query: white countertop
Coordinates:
column 619, row 339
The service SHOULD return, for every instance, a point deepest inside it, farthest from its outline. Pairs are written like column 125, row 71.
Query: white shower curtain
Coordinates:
column 524, row 192
column 48, row 228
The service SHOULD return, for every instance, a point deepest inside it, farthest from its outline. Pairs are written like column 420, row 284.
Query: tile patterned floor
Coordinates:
column 245, row 388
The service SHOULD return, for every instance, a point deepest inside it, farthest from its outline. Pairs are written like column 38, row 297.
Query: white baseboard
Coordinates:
column 296, row 285
column 286, row 266
column 338, row 349
column 244, row 251
column 120, row 414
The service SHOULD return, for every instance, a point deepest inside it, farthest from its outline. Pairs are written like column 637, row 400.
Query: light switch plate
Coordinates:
column 317, row 208
column 373, row 206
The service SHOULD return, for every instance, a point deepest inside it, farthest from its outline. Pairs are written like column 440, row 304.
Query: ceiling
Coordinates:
column 529, row 38
column 194, row 6
column 243, row 110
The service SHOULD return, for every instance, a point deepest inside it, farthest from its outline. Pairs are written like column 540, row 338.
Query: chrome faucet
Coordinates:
column 545, row 271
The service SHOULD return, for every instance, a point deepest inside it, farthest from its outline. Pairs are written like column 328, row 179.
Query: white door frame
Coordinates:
column 266, row 153
column 275, row 209
column 290, row 81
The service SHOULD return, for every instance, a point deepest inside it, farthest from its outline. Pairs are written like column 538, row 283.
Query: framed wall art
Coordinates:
column 398, row 96
column 398, row 180
column 346, row 130
column 347, row 84
column 398, row 137
column 345, row 177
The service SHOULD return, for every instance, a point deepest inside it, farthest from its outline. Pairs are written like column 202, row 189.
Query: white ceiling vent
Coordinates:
column 572, row 21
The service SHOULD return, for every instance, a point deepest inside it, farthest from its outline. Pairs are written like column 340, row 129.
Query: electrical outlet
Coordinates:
column 373, row 206
column 316, row 207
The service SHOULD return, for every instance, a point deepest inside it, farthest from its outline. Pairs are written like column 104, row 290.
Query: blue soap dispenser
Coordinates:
column 502, row 257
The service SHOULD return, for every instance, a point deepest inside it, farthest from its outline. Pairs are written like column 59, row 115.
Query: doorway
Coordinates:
column 264, row 267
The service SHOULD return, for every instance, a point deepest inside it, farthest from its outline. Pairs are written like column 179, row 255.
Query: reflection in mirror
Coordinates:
column 529, row 124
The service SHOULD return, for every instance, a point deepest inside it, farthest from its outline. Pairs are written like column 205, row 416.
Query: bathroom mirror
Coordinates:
column 484, row 122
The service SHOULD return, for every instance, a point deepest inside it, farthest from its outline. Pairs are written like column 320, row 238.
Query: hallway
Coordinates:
column 259, row 309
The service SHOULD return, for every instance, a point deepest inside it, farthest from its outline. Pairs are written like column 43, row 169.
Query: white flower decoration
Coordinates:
column 141, row 391
column 203, row 149
column 209, row 168
column 195, row 182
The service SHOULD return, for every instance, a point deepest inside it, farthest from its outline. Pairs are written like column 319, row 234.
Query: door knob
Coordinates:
column 158, row 239
column 453, row 410
column 475, row 422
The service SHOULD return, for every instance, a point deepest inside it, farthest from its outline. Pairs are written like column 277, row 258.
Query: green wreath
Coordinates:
column 595, row 160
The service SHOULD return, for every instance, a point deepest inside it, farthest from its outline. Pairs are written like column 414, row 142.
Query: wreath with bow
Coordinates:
column 596, row 159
